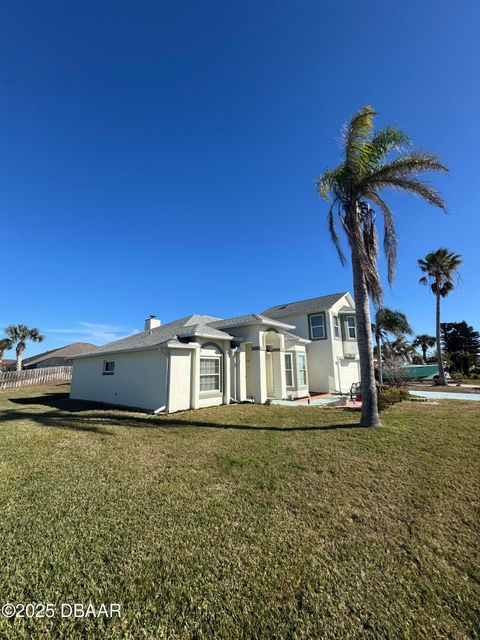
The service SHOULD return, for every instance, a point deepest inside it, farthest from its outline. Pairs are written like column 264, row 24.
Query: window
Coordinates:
column 288, row 370
column 317, row 326
column 210, row 377
column 336, row 327
column 108, row 367
column 302, row 370
column 351, row 328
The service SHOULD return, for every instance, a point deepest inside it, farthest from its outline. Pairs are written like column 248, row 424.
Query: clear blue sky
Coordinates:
column 160, row 157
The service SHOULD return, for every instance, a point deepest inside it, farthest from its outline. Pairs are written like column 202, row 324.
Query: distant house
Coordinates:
column 201, row 361
column 6, row 364
column 56, row 357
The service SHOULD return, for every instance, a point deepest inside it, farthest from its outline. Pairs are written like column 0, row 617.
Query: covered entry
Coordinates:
column 274, row 365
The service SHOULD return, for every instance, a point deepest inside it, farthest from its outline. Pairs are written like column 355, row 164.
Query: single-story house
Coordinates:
column 61, row 357
column 201, row 361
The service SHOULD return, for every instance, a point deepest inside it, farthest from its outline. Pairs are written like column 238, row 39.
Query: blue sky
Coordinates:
column 160, row 157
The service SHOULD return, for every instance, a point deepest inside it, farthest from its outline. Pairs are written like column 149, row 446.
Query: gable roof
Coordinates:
column 187, row 327
column 310, row 305
column 63, row 353
column 156, row 336
column 204, row 331
column 250, row 318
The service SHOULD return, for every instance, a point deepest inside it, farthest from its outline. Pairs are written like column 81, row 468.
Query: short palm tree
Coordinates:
column 5, row 345
column 441, row 269
column 424, row 341
column 402, row 348
column 19, row 335
column 353, row 187
column 388, row 322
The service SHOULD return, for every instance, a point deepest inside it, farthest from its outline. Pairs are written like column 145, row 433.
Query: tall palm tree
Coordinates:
column 5, row 345
column 424, row 341
column 19, row 334
column 440, row 268
column 388, row 322
column 353, row 187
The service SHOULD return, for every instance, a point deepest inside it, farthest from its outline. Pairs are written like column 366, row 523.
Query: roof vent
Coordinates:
column 151, row 323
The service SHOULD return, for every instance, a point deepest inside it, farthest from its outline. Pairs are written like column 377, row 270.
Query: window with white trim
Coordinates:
column 317, row 326
column 288, row 370
column 210, row 374
column 302, row 370
column 109, row 367
column 351, row 327
column 336, row 327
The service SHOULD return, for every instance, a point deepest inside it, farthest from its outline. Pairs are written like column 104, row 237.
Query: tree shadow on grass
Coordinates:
column 93, row 417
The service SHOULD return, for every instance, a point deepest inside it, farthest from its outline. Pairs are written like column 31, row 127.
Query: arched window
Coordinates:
column 211, row 361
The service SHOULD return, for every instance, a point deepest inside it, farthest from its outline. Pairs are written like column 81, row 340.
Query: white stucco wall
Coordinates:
column 319, row 354
column 139, row 379
column 179, row 396
column 329, row 366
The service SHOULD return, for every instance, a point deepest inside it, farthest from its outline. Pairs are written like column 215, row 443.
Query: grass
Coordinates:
column 240, row 522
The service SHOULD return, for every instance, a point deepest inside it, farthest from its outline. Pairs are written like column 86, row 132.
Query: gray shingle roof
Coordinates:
column 156, row 336
column 250, row 318
column 292, row 336
column 304, row 306
column 203, row 331
column 189, row 326
column 55, row 356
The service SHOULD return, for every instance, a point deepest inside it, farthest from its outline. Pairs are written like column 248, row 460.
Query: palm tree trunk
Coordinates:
column 424, row 353
column 19, row 358
column 370, row 417
column 441, row 372
column 379, row 354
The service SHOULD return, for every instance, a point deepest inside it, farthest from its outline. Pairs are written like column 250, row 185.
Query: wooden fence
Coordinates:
column 23, row 378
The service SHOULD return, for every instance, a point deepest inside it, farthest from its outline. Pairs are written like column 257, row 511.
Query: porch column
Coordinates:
column 227, row 390
column 279, row 379
column 241, row 363
column 259, row 374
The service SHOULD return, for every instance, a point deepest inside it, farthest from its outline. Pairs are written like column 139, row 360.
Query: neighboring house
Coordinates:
column 197, row 361
column 201, row 361
column 329, row 323
column 6, row 364
column 55, row 357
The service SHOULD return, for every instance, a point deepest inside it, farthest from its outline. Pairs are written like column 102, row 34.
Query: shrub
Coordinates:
column 387, row 397
column 456, row 375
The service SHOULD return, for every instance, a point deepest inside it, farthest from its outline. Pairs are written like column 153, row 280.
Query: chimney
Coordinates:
column 151, row 323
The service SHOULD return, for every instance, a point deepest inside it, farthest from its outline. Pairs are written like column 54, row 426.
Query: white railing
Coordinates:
column 44, row 375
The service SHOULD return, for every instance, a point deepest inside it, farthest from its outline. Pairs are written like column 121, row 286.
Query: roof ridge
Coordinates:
column 327, row 295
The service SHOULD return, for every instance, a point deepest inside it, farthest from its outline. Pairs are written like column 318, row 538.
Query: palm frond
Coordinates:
column 416, row 187
column 334, row 235
column 361, row 234
column 355, row 134
column 390, row 242
column 331, row 183
column 384, row 142
column 406, row 166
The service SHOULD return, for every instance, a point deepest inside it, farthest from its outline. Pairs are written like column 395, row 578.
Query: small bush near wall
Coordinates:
column 392, row 395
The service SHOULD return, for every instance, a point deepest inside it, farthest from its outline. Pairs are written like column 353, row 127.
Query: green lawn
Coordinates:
column 241, row 521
